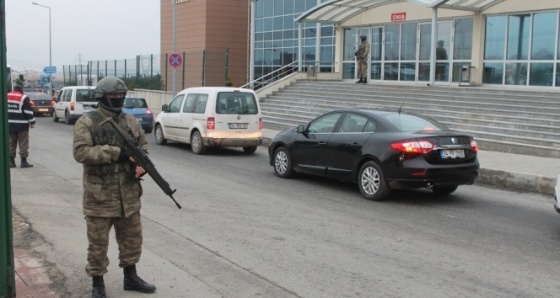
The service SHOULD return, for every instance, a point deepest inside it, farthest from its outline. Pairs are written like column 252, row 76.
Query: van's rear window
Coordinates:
column 236, row 103
column 84, row 95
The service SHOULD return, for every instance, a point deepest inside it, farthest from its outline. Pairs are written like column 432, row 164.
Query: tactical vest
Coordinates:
column 106, row 135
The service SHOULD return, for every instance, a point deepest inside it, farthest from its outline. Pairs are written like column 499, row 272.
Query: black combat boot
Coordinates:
column 364, row 81
column 12, row 162
column 132, row 282
column 98, row 290
column 24, row 163
column 360, row 81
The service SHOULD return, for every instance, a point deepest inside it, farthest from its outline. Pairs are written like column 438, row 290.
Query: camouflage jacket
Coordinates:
column 363, row 51
column 108, row 189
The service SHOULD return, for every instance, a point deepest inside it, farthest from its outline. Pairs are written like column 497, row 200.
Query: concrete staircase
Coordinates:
column 514, row 121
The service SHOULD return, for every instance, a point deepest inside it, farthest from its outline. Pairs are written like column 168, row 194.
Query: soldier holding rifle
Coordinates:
column 112, row 188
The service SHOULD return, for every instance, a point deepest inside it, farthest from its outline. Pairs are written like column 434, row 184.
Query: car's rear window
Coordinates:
column 236, row 103
column 135, row 103
column 84, row 95
column 412, row 123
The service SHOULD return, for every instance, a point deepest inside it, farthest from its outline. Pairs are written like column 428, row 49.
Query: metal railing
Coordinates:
column 271, row 76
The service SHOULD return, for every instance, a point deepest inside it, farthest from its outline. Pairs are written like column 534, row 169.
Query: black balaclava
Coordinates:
column 113, row 104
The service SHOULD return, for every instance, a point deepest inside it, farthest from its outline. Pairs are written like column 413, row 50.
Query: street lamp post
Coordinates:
column 50, row 47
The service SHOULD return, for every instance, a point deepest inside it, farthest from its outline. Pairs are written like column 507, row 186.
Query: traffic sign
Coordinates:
column 175, row 60
column 49, row 69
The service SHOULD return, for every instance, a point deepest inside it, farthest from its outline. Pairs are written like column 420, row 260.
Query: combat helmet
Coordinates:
column 110, row 85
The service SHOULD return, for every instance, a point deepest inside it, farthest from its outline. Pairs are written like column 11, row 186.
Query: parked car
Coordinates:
column 73, row 102
column 138, row 107
column 211, row 117
column 556, row 194
column 379, row 150
column 41, row 103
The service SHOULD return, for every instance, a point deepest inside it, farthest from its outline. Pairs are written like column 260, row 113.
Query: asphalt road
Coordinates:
column 243, row 232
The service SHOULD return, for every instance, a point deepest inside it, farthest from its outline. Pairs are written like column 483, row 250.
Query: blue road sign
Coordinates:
column 49, row 69
column 175, row 60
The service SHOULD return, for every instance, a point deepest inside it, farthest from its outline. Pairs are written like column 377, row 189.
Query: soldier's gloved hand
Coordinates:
column 124, row 155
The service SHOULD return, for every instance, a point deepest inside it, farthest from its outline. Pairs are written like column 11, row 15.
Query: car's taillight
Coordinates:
column 71, row 106
column 261, row 125
column 32, row 102
column 474, row 146
column 413, row 146
column 210, row 123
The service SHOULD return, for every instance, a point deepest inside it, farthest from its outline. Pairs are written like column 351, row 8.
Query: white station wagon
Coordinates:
column 211, row 117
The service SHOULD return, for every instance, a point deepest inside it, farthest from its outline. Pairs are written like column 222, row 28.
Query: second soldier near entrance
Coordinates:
column 362, row 59
column 112, row 189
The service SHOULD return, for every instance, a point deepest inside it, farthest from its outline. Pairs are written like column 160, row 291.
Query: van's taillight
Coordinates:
column 261, row 125
column 71, row 106
column 210, row 123
column 413, row 147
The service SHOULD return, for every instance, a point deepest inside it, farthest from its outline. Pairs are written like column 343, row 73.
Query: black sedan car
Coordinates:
column 379, row 150
column 41, row 103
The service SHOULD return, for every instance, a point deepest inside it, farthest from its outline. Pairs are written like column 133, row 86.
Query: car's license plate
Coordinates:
column 43, row 110
column 139, row 119
column 238, row 125
column 457, row 153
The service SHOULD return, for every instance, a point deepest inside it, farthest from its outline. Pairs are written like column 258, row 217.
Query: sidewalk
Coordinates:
column 511, row 171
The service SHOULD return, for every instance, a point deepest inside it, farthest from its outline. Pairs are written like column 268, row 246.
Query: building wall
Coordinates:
column 205, row 30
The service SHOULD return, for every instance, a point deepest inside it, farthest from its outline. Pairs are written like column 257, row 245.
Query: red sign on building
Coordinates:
column 398, row 16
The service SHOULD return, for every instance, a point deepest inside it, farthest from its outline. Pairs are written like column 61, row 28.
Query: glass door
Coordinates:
column 443, row 51
column 376, row 56
column 360, row 32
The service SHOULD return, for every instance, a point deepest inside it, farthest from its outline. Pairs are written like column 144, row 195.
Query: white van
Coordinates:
column 73, row 102
column 211, row 117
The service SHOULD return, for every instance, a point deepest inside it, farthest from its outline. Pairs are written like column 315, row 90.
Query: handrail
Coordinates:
column 271, row 77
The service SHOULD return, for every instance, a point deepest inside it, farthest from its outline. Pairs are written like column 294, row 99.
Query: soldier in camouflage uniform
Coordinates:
column 112, row 188
column 362, row 59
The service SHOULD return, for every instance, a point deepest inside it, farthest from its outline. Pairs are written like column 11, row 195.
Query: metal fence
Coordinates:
column 208, row 67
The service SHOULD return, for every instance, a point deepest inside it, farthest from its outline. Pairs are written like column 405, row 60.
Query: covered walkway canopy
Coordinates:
column 338, row 11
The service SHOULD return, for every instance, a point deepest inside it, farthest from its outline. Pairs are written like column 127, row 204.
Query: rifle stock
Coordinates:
column 142, row 159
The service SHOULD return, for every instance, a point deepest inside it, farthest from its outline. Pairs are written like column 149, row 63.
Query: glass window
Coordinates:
column 462, row 49
column 392, row 71
column 392, row 40
column 200, row 107
column 310, row 4
column 349, row 43
column 408, row 72
column 289, row 22
column 542, row 47
column 289, row 6
column 327, row 53
column 558, row 75
column 493, row 73
column 327, row 31
column 541, row 74
column 268, row 24
column 259, row 9
column 348, row 70
column 518, row 37
column 278, row 7
column 299, row 6
column 425, row 41
column 175, row 105
column 516, row 74
column 190, row 103
column 324, row 124
column 278, row 23
column 84, row 95
column 375, row 71
column 408, row 41
column 376, row 43
column 236, row 103
column 268, row 8
column 495, row 38
column 412, row 123
column 353, row 123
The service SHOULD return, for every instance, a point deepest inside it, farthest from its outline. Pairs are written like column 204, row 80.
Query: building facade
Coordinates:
column 502, row 43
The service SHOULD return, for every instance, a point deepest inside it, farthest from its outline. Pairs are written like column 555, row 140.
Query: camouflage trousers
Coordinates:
column 128, row 232
column 362, row 69
column 20, row 138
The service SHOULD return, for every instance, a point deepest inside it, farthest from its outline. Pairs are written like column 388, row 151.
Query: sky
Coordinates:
column 81, row 30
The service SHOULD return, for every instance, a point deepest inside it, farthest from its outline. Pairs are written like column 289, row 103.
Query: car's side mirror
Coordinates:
column 165, row 108
column 300, row 128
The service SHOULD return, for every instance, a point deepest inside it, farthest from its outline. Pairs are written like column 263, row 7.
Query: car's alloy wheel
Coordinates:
column 160, row 138
column 372, row 183
column 250, row 149
column 282, row 163
column 444, row 190
column 196, row 143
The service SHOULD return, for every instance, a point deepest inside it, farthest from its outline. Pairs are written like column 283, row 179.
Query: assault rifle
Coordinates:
column 142, row 159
